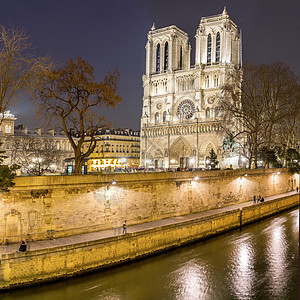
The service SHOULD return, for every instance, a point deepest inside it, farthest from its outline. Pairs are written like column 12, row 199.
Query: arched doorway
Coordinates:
column 181, row 153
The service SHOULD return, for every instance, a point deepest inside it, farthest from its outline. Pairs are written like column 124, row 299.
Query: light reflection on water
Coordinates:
column 191, row 281
column 242, row 273
column 276, row 254
column 260, row 261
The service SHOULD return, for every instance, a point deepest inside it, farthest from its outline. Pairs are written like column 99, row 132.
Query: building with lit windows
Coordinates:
column 181, row 120
column 115, row 149
column 17, row 142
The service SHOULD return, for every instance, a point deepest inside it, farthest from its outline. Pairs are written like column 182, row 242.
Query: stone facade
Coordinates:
column 181, row 119
column 37, row 206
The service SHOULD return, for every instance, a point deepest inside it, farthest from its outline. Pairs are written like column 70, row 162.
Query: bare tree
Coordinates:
column 258, row 105
column 72, row 96
column 19, row 68
column 289, row 129
column 35, row 156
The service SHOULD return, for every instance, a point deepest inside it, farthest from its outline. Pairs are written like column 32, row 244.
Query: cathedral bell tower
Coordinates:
column 217, row 41
column 180, row 121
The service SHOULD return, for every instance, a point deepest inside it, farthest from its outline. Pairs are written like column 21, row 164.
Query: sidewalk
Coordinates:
column 87, row 237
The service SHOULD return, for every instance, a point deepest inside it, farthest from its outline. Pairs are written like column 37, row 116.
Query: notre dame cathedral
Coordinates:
column 181, row 119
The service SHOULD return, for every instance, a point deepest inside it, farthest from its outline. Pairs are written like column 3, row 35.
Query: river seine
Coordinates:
column 259, row 261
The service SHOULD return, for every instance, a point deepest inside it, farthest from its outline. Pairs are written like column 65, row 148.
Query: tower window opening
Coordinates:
column 180, row 58
column 218, row 48
column 209, row 49
column 158, row 58
column 166, row 56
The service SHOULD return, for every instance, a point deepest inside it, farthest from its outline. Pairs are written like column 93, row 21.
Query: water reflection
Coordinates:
column 191, row 282
column 242, row 274
column 276, row 255
column 295, row 216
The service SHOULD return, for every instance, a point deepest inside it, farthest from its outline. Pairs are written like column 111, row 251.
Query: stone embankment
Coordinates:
column 68, row 256
column 41, row 206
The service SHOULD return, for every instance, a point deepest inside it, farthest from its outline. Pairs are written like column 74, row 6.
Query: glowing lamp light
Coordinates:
column 278, row 173
column 113, row 182
column 172, row 161
column 196, row 178
column 192, row 160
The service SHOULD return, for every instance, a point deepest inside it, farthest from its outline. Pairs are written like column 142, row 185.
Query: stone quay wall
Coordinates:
column 46, row 206
column 32, row 267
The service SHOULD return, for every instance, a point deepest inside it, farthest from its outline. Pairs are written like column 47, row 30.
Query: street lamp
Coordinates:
column 113, row 182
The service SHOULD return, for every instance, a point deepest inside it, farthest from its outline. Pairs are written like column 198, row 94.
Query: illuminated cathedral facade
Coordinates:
column 181, row 120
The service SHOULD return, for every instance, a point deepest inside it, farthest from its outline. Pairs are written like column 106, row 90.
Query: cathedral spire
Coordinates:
column 224, row 11
column 153, row 27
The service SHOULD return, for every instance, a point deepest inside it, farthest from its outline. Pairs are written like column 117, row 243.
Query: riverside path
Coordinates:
column 98, row 235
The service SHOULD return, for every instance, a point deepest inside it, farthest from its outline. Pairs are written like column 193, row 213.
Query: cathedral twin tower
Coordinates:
column 180, row 121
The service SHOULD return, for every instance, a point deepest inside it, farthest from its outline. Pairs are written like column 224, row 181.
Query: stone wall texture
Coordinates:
column 70, row 205
column 32, row 267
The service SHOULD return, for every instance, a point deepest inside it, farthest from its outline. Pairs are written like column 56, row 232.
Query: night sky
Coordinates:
column 112, row 34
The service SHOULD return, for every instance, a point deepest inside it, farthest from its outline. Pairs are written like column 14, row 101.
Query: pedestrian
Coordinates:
column 23, row 247
column 27, row 243
column 262, row 199
column 297, row 189
column 258, row 199
column 124, row 227
column 254, row 199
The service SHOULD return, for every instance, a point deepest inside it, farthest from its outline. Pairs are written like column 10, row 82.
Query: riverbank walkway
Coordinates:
column 98, row 235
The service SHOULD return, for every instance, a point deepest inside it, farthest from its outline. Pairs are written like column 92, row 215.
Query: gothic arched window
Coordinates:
column 207, row 81
column 216, row 80
column 209, row 49
column 156, row 117
column 165, row 116
column 208, row 113
column 158, row 58
column 180, row 58
column 218, row 48
column 166, row 56
column 216, row 112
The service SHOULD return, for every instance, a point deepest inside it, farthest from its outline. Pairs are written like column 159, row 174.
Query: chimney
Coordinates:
column 38, row 131
column 51, row 132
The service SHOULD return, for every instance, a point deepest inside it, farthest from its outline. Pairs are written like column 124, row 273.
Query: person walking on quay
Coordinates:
column 297, row 189
column 254, row 199
column 258, row 199
column 124, row 227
